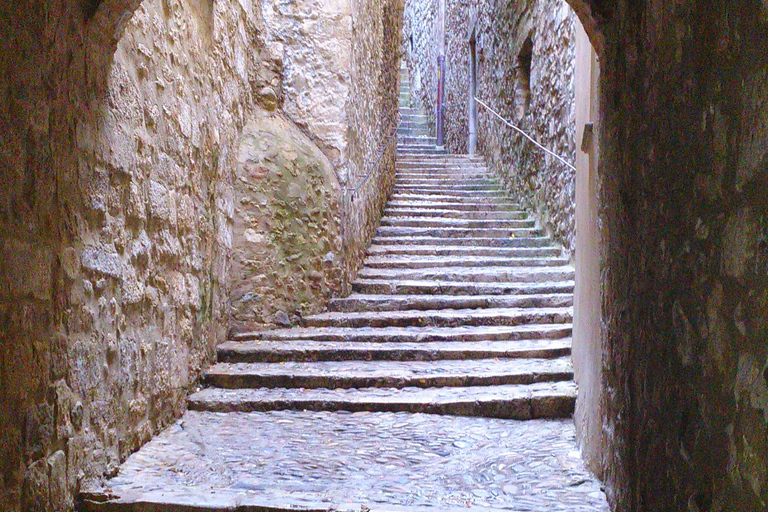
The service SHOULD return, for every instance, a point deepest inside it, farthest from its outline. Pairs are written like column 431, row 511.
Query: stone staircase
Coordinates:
column 415, row 135
column 462, row 307
column 462, row 310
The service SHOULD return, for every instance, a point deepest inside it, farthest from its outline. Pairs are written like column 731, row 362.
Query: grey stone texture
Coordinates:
column 122, row 123
column 382, row 462
column 288, row 225
column 537, row 181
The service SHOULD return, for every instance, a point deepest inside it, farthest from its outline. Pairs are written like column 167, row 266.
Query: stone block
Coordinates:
column 29, row 270
column 102, row 261
column 59, row 489
column 35, row 490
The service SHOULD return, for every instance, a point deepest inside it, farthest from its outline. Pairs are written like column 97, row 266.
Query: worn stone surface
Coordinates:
column 117, row 150
column 387, row 374
column 297, row 350
column 314, row 40
column 506, row 401
column 288, row 219
column 412, row 334
column 363, row 461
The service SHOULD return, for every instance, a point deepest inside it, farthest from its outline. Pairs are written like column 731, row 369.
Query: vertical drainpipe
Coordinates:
column 440, row 106
column 472, row 93
column 440, row 74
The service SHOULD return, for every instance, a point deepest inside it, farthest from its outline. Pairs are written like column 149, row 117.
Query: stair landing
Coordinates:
column 310, row 461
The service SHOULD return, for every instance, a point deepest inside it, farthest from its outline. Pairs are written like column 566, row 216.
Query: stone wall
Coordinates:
column 684, row 203
column 120, row 195
column 301, row 233
column 372, row 110
column 539, row 182
column 122, row 124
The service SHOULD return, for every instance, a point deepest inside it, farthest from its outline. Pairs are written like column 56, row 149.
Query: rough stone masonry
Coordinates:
column 131, row 192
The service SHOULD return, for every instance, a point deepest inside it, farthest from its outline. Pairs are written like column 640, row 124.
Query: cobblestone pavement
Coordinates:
column 352, row 461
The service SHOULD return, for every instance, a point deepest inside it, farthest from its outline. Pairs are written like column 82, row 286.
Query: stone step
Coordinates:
column 432, row 287
column 414, row 132
column 427, row 250
column 445, row 173
column 435, row 204
column 431, row 222
column 442, row 318
column 533, row 241
column 417, row 140
column 460, row 178
column 422, row 151
column 486, row 201
column 446, row 180
column 385, row 302
column 443, row 159
column 459, row 193
column 415, row 143
column 427, row 152
column 444, row 213
column 439, row 176
column 415, row 122
column 439, row 162
column 417, row 262
column 472, row 274
column 388, row 374
column 411, row 334
column 414, row 149
column 446, row 232
column 307, row 351
column 461, row 189
column 414, row 125
column 511, row 401
column 448, row 157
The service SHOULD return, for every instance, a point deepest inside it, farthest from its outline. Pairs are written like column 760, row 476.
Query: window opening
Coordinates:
column 523, row 82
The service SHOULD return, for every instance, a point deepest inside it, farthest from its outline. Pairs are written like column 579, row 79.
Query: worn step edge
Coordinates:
column 386, row 302
column 416, row 213
column 435, row 202
column 306, row 351
column 387, row 374
column 411, row 334
column 529, row 241
column 427, row 250
column 436, row 222
column 471, row 274
column 442, row 318
column 456, row 232
column 518, row 402
column 373, row 262
column 435, row 287
column 191, row 499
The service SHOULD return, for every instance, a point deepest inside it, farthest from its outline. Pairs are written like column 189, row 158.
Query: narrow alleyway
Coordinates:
column 443, row 382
